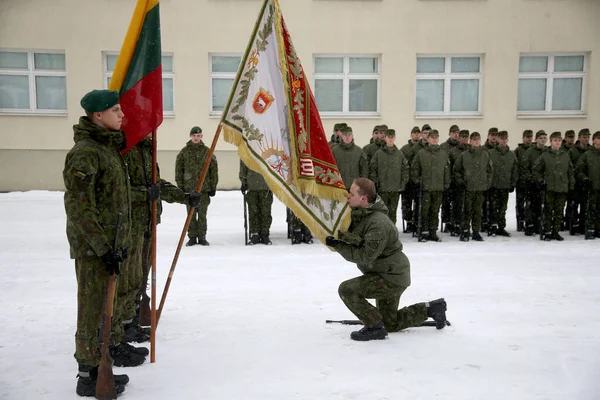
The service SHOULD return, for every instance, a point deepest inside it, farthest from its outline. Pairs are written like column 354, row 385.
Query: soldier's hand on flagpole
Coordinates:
column 153, row 192
column 194, row 199
column 212, row 193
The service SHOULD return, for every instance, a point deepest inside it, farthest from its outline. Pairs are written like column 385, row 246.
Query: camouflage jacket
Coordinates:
column 372, row 148
column 589, row 167
column 555, row 169
column 577, row 151
column 473, row 170
column 488, row 146
column 416, row 148
column 252, row 179
column 139, row 163
column 506, row 170
column 407, row 151
column 431, row 167
column 520, row 154
column 449, row 144
column 334, row 141
column 351, row 161
column 389, row 170
column 526, row 168
column 97, row 191
column 378, row 249
column 188, row 168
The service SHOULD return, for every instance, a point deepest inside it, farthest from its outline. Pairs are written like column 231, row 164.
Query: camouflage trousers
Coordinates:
column 554, row 208
column 355, row 292
column 409, row 195
column 92, row 282
column 498, row 205
column 390, row 199
column 592, row 220
column 432, row 200
column 449, row 204
column 534, row 208
column 198, row 224
column 131, row 283
column 521, row 202
column 259, row 211
column 473, row 210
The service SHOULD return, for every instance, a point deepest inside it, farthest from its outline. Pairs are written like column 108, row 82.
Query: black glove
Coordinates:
column 212, row 193
column 194, row 199
column 153, row 192
column 244, row 188
column 512, row 189
column 331, row 241
column 111, row 261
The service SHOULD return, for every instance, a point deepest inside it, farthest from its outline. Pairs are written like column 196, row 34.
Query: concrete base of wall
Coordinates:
column 42, row 169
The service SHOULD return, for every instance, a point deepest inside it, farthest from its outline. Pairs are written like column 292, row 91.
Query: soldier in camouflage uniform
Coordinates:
column 373, row 244
column 350, row 158
column 377, row 142
column 534, row 201
column 553, row 169
column 449, row 199
column 588, row 172
column 259, row 199
column 430, row 171
column 389, row 172
column 580, row 193
column 458, row 209
column 420, row 145
column 567, row 145
column 335, row 137
column 490, row 144
column 410, row 191
column 473, row 171
column 97, row 192
column 506, row 174
column 521, row 183
column 188, row 167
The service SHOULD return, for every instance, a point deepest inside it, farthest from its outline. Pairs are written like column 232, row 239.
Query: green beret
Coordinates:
column 99, row 100
column 493, row 131
column 346, row 130
column 415, row 129
column 584, row 132
column 555, row 135
column 383, row 128
column 390, row 133
column 596, row 135
column 434, row 133
column 339, row 126
column 502, row 134
column 475, row 135
column 539, row 133
column 464, row 133
column 195, row 129
column 527, row 133
column 425, row 127
column 570, row 133
column 454, row 128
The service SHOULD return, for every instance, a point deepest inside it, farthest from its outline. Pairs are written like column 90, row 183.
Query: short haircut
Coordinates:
column 366, row 187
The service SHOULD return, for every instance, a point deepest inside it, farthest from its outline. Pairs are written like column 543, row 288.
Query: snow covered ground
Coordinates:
column 248, row 322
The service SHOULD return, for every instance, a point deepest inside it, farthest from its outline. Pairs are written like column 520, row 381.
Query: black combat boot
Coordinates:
column 307, row 238
column 264, row 239
column 254, row 239
column 503, row 232
column 589, row 235
column 520, row 226
column 546, row 236
column 133, row 332
column 464, row 237
column 88, row 377
column 529, row 230
column 377, row 332
column 410, row 227
column 493, row 231
column 434, row 237
column 556, row 236
column 437, row 310
column 125, row 355
column 424, row 236
column 477, row 237
column 203, row 242
column 193, row 241
column 574, row 231
column 597, row 233
column 297, row 236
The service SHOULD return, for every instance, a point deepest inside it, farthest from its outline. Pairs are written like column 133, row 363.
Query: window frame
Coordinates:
column 32, row 73
column 170, row 75
column 346, row 77
column 550, row 75
column 219, row 75
column 448, row 76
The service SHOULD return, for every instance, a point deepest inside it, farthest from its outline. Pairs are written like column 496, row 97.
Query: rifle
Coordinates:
column 420, row 226
column 245, row 220
column 541, row 219
column 145, row 314
column 358, row 322
column 105, row 385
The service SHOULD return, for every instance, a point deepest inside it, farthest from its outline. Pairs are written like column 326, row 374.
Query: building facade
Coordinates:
column 513, row 64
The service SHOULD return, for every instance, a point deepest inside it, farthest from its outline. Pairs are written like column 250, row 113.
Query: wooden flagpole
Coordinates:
column 153, row 320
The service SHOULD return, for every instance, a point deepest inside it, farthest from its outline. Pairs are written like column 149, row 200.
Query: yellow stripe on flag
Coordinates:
column 130, row 42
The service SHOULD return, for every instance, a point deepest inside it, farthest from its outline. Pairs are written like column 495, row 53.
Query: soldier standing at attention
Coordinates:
column 459, row 191
column 97, row 191
column 533, row 217
column 335, row 137
column 260, row 199
column 522, row 182
column 473, row 171
column 410, row 191
column 350, row 158
column 567, row 145
column 377, row 142
column 490, row 144
column 581, row 188
column 389, row 171
column 553, row 169
column 588, row 171
column 506, row 174
column 188, row 168
column 430, row 171
column 449, row 199
column 373, row 244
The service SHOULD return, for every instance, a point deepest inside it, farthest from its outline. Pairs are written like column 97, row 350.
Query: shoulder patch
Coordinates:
column 80, row 175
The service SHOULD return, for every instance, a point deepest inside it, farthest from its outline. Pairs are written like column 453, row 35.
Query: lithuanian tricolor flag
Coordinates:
column 138, row 73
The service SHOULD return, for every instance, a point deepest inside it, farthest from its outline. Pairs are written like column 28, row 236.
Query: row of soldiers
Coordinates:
column 471, row 182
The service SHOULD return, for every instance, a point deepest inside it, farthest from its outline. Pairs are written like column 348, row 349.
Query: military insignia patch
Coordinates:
column 262, row 101
column 80, row 175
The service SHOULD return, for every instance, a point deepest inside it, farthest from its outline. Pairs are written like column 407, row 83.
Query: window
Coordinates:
column 448, row 85
column 168, row 75
column 347, row 85
column 551, row 84
column 33, row 82
column 223, row 69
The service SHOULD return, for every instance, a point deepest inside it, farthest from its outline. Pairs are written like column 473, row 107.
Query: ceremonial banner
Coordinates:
column 271, row 116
